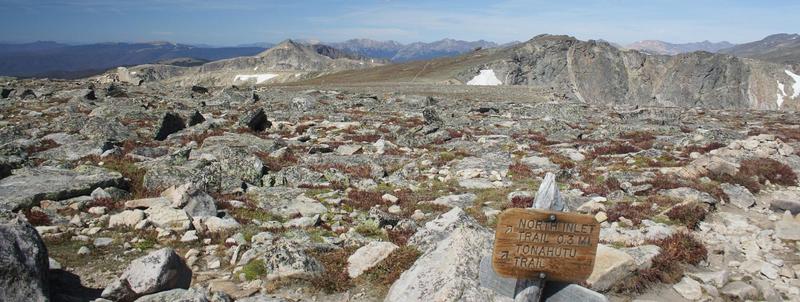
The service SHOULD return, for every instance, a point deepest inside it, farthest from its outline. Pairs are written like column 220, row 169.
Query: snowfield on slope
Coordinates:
column 796, row 85
column 260, row 78
column 485, row 78
column 781, row 94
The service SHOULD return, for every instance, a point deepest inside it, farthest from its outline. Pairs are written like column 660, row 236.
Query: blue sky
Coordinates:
column 232, row 22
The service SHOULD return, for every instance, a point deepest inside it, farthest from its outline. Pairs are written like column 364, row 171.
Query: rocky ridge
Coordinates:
column 597, row 72
column 287, row 61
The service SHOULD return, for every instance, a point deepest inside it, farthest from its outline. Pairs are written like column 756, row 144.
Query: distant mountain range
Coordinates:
column 779, row 48
column 417, row 51
column 50, row 59
column 666, row 48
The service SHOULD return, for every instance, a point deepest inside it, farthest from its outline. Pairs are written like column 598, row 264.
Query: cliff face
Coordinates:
column 596, row 72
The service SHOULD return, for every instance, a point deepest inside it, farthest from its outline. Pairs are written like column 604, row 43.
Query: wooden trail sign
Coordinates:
column 533, row 243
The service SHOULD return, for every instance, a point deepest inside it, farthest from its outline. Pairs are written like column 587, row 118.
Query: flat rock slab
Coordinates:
column 28, row 186
column 368, row 256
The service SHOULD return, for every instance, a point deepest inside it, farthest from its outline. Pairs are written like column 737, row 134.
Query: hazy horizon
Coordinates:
column 238, row 22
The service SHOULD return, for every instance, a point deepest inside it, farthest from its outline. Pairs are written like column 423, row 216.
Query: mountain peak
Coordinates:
column 288, row 43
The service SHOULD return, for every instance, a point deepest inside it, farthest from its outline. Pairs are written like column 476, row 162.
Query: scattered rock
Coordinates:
column 84, row 251
column 739, row 290
column 738, row 195
column 574, row 292
column 689, row 195
column 216, row 225
column 103, row 241
column 716, row 278
column 196, row 202
column 461, row 200
column 170, row 123
column 368, row 256
column 256, row 120
column 196, row 118
column 643, row 255
column 780, row 201
column 788, row 228
column 288, row 260
column 689, row 289
column 199, row 89
column 168, row 218
column 610, row 266
column 158, row 271
column 146, row 203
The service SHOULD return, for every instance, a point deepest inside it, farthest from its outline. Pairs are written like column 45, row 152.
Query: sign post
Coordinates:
column 556, row 246
column 543, row 243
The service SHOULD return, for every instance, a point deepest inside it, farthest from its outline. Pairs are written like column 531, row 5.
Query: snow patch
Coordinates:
column 796, row 85
column 485, row 78
column 260, row 78
column 781, row 94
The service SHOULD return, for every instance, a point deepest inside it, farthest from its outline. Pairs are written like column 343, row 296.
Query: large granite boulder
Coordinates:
column 452, row 247
column 23, row 263
column 158, row 271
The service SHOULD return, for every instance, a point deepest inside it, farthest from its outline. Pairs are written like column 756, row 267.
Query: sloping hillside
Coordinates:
column 779, row 48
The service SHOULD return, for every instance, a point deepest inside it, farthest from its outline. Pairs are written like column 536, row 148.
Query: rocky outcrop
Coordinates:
column 597, row 72
column 30, row 185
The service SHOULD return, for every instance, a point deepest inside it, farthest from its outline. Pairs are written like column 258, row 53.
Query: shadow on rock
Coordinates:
column 67, row 287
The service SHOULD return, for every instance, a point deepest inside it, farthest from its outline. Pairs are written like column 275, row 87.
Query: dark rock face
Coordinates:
column 170, row 124
column 5, row 93
column 66, row 286
column 199, row 89
column 23, row 263
column 485, row 110
column 115, row 91
column 27, row 94
column 196, row 118
column 90, row 95
column 256, row 120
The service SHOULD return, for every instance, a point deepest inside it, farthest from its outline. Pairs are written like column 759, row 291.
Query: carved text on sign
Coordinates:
column 530, row 242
